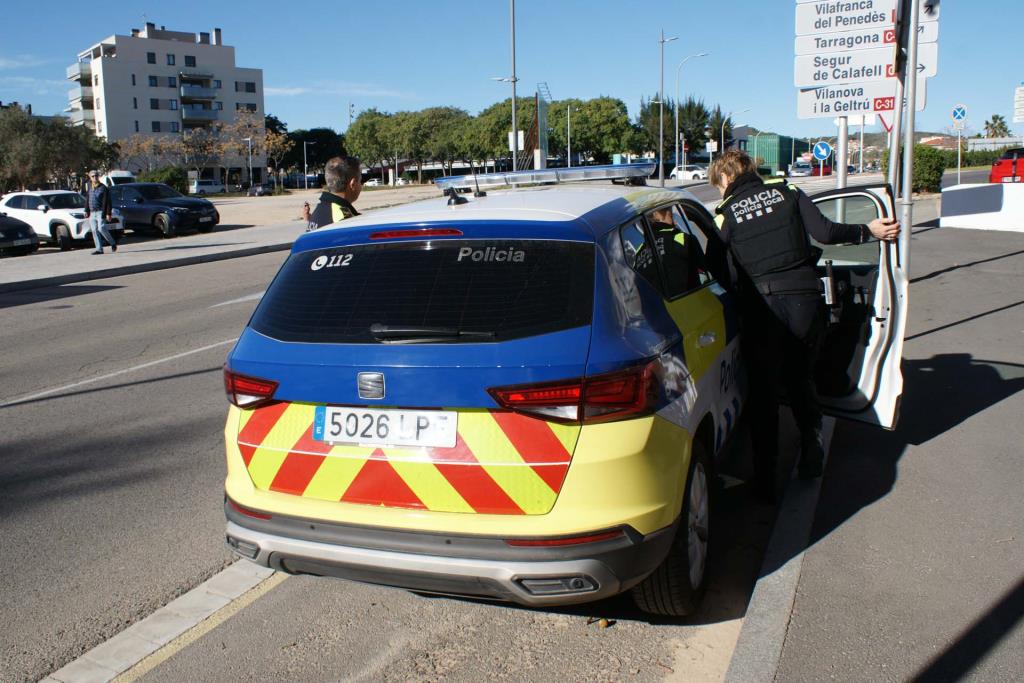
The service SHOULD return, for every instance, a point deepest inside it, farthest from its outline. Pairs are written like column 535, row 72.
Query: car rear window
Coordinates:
column 1012, row 154
column 506, row 288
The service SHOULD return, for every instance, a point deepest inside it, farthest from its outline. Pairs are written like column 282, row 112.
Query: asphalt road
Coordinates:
column 110, row 506
column 110, row 491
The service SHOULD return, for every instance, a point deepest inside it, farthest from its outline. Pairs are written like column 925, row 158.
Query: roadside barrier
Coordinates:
column 988, row 206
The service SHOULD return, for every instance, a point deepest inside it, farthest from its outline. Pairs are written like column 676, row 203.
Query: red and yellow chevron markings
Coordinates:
column 503, row 463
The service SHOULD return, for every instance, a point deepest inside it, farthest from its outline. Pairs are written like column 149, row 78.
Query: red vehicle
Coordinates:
column 1009, row 168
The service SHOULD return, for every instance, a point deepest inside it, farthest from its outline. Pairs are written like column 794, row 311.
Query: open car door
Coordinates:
column 858, row 372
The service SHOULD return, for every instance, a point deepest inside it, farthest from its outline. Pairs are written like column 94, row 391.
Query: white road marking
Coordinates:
column 249, row 297
column 100, row 378
column 183, row 620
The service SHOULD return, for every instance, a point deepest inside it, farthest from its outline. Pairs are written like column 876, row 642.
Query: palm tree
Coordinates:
column 996, row 127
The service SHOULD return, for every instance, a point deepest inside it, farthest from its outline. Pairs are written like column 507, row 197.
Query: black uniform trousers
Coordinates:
column 782, row 334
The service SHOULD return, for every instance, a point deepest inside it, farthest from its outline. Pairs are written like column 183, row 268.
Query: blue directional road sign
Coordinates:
column 822, row 151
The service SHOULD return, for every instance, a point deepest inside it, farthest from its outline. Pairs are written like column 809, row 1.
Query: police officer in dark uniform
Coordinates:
column 344, row 180
column 765, row 226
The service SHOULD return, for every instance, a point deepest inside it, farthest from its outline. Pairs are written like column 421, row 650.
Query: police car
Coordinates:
column 518, row 395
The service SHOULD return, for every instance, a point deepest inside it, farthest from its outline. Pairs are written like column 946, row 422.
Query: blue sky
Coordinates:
column 411, row 54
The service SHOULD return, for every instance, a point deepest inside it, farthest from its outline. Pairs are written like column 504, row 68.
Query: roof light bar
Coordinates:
column 547, row 175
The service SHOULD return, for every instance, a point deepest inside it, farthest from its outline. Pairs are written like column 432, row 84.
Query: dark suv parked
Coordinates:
column 155, row 206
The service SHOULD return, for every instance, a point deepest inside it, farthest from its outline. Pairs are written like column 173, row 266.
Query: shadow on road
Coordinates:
column 44, row 294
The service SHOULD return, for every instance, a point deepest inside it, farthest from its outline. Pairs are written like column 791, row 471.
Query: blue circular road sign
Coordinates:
column 959, row 113
column 822, row 151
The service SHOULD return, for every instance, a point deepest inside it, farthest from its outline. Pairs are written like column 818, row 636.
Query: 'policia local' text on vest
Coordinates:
column 766, row 234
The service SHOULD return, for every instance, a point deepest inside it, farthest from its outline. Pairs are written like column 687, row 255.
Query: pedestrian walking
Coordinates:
column 765, row 226
column 344, row 180
column 99, row 213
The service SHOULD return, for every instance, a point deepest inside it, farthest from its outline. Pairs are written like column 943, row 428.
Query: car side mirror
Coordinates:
column 137, row 200
column 43, row 207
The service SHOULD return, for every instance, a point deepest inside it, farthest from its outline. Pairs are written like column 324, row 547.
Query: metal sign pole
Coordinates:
column 907, row 201
column 959, row 155
column 842, row 161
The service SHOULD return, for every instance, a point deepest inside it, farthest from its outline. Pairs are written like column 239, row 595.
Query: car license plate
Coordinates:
column 427, row 428
column 205, row 219
column 22, row 242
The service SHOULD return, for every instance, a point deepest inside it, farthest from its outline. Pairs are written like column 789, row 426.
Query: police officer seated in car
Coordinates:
column 764, row 226
column 680, row 262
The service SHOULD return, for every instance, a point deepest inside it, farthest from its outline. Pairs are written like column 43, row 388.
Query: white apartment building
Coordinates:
column 160, row 82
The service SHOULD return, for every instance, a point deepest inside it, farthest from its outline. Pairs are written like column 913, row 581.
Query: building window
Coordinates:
column 174, row 127
column 219, row 106
column 99, row 126
column 170, row 60
column 250, row 86
column 152, row 81
column 156, row 126
column 154, row 103
column 172, row 104
column 99, row 103
column 151, row 57
column 96, row 79
column 172, row 81
column 133, row 79
column 136, row 126
column 190, row 60
column 217, row 84
column 135, row 103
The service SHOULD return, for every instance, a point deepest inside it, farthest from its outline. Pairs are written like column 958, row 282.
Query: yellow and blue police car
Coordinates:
column 519, row 395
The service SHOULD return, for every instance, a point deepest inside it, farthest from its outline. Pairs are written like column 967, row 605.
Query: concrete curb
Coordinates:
column 141, row 267
column 105, row 661
column 759, row 647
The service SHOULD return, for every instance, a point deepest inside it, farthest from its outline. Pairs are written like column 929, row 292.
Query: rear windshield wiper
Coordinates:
column 421, row 334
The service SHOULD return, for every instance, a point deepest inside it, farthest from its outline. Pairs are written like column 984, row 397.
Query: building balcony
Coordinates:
column 80, row 93
column 80, row 71
column 198, row 115
column 197, row 92
column 82, row 116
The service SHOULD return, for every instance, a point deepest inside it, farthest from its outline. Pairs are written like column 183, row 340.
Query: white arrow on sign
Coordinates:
column 853, row 99
column 864, row 39
column 862, row 66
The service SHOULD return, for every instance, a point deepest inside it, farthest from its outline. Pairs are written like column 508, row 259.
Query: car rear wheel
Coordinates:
column 62, row 237
column 163, row 224
column 676, row 587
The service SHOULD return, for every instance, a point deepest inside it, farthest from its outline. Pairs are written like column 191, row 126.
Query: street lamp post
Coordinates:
column 515, row 131
column 721, row 150
column 568, row 135
column 678, row 69
column 305, row 166
column 249, row 140
column 661, row 111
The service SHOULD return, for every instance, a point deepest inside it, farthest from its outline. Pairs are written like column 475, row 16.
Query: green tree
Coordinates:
column 715, row 122
column 694, row 119
column 272, row 123
column 495, row 123
column 649, row 120
column 412, row 131
column 446, row 138
column 366, row 137
column 996, row 127
column 325, row 143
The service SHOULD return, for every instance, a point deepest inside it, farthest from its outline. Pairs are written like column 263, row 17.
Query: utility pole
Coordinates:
column 661, row 111
column 676, row 109
column 305, row 166
column 910, row 85
column 515, row 124
column 351, row 113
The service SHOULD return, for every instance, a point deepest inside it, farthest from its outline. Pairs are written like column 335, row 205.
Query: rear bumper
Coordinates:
column 471, row 566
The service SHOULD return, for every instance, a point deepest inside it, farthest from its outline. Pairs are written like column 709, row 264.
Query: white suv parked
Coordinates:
column 57, row 216
column 206, row 187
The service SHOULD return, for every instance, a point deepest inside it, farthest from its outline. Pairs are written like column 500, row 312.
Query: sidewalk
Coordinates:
column 915, row 562
column 249, row 225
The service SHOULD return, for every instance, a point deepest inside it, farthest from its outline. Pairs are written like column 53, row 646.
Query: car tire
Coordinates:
column 677, row 586
column 62, row 237
column 163, row 223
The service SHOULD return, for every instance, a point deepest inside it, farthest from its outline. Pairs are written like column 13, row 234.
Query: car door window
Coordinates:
column 14, row 202
column 856, row 209
column 30, row 202
column 681, row 255
column 116, row 194
column 130, row 194
column 638, row 253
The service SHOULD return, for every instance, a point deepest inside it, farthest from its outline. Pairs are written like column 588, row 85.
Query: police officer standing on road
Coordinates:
column 765, row 226
column 344, row 180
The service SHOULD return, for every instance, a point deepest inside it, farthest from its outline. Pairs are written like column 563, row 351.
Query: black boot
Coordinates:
column 812, row 456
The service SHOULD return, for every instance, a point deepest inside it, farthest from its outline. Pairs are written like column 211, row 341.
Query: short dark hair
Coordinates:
column 340, row 171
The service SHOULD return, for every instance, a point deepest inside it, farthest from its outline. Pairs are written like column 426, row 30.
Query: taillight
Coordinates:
column 601, row 398
column 565, row 540
column 248, row 392
column 418, row 232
